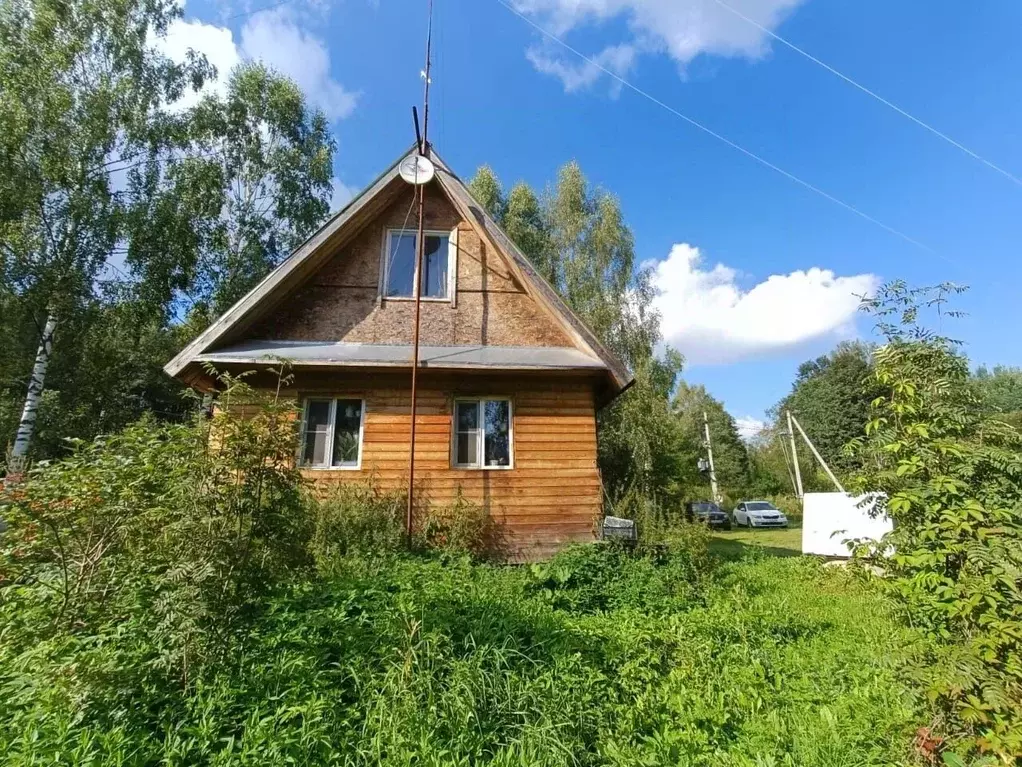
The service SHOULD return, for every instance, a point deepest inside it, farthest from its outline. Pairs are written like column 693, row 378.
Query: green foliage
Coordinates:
column 359, row 519
column 1000, row 392
column 252, row 181
column 169, row 531
column 102, row 171
column 577, row 239
column 730, row 454
column 599, row 657
column 486, row 188
column 831, row 398
column 952, row 479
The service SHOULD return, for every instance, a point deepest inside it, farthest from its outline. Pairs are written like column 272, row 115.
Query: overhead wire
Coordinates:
column 872, row 94
column 723, row 139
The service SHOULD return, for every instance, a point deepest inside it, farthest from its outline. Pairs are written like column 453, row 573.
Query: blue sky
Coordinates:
column 740, row 295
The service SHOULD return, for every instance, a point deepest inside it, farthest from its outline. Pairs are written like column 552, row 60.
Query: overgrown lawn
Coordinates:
column 597, row 658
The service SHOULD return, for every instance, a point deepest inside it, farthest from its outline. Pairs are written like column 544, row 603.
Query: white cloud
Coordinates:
column 273, row 37
column 709, row 317
column 750, row 428
column 341, row 196
column 682, row 29
column 575, row 76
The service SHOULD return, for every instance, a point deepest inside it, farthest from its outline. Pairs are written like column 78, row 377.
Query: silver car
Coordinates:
column 759, row 514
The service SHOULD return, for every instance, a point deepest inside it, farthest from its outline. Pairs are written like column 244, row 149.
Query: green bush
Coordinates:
column 439, row 661
column 952, row 483
column 169, row 532
column 359, row 518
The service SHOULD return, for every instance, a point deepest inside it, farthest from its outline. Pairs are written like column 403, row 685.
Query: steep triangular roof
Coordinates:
column 314, row 251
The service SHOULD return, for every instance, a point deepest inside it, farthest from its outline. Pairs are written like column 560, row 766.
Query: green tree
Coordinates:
column 197, row 204
column 83, row 90
column 524, row 222
column 730, row 454
column 951, row 480
column 1000, row 392
column 486, row 188
column 577, row 239
column 831, row 397
column 253, row 181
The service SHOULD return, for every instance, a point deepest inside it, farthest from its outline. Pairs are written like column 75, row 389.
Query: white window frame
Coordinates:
column 452, row 262
column 332, row 422
column 481, row 442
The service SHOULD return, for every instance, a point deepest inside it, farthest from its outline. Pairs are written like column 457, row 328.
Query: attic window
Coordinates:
column 437, row 262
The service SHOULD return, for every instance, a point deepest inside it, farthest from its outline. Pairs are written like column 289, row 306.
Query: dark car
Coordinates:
column 708, row 512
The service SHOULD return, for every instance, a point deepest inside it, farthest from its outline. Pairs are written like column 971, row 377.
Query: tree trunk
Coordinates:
column 26, row 426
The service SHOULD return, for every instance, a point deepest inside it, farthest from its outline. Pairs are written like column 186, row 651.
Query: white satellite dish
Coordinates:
column 416, row 170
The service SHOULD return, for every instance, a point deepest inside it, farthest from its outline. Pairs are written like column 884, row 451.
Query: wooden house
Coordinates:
column 509, row 379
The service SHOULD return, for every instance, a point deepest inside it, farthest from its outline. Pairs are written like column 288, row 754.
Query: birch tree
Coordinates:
column 82, row 95
column 253, row 181
column 103, row 176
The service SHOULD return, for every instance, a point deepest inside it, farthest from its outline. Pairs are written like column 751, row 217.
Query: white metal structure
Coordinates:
column 829, row 520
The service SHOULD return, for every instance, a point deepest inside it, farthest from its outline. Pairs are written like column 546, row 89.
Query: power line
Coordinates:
column 259, row 10
column 724, row 139
column 868, row 92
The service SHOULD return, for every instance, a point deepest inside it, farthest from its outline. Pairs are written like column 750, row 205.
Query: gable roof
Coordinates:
column 313, row 253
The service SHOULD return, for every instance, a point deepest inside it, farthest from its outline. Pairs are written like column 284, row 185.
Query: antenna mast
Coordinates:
column 416, row 282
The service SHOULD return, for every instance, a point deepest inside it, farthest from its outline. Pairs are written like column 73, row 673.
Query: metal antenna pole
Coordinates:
column 714, row 491
column 799, row 492
column 416, row 286
column 819, row 457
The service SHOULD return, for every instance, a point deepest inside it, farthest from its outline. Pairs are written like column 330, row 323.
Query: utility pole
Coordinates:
column 799, row 492
column 714, row 491
column 819, row 457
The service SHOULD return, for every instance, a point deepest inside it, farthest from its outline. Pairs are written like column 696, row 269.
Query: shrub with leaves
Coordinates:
column 359, row 518
column 952, row 483
column 169, row 531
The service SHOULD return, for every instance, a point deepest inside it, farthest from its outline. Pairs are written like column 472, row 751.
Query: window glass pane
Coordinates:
column 434, row 267
column 317, row 432
column 466, row 450
column 468, row 415
column 497, row 445
column 346, row 428
column 401, row 265
column 467, row 453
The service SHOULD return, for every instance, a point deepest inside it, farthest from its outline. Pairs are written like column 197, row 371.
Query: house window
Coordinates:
column 332, row 433
column 482, row 433
column 399, row 277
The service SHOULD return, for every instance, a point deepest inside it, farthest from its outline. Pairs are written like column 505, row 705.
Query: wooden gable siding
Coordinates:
column 551, row 496
column 341, row 301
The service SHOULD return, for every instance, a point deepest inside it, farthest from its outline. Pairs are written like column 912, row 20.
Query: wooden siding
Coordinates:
column 550, row 497
column 340, row 302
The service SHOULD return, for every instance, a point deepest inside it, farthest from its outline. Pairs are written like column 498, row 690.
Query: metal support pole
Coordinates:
column 799, row 491
column 420, row 246
column 819, row 457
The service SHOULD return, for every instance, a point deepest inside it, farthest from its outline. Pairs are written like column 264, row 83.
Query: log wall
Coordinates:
column 551, row 496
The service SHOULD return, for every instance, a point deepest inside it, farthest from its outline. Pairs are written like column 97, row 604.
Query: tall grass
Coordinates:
column 599, row 657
